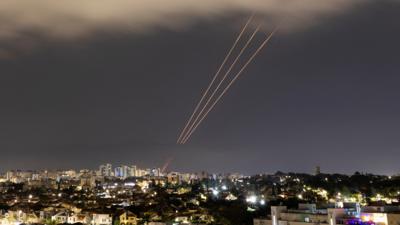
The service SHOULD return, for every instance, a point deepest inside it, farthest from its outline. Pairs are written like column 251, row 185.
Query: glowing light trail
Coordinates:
column 230, row 83
column 222, row 80
column 215, row 77
column 166, row 164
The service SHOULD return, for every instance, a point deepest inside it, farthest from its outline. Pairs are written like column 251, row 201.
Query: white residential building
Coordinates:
column 61, row 217
column 79, row 218
column 101, row 219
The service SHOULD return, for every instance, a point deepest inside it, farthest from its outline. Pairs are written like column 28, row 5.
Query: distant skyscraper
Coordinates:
column 118, row 171
column 126, row 171
column 317, row 170
column 105, row 170
column 133, row 171
column 123, row 171
column 155, row 172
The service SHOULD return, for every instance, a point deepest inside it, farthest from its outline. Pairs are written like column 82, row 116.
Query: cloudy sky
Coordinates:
column 88, row 82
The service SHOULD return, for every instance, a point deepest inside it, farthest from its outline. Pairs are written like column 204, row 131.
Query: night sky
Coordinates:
column 324, row 94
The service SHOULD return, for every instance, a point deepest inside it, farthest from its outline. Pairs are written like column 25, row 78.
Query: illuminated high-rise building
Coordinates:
column 105, row 170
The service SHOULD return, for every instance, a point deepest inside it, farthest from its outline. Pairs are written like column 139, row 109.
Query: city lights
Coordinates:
column 251, row 199
column 86, row 189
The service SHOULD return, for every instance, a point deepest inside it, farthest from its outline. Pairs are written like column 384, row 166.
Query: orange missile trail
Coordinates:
column 232, row 81
column 215, row 77
column 222, row 80
column 166, row 164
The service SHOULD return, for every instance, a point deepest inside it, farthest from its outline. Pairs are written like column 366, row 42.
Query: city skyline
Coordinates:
column 133, row 196
column 166, row 169
column 325, row 93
